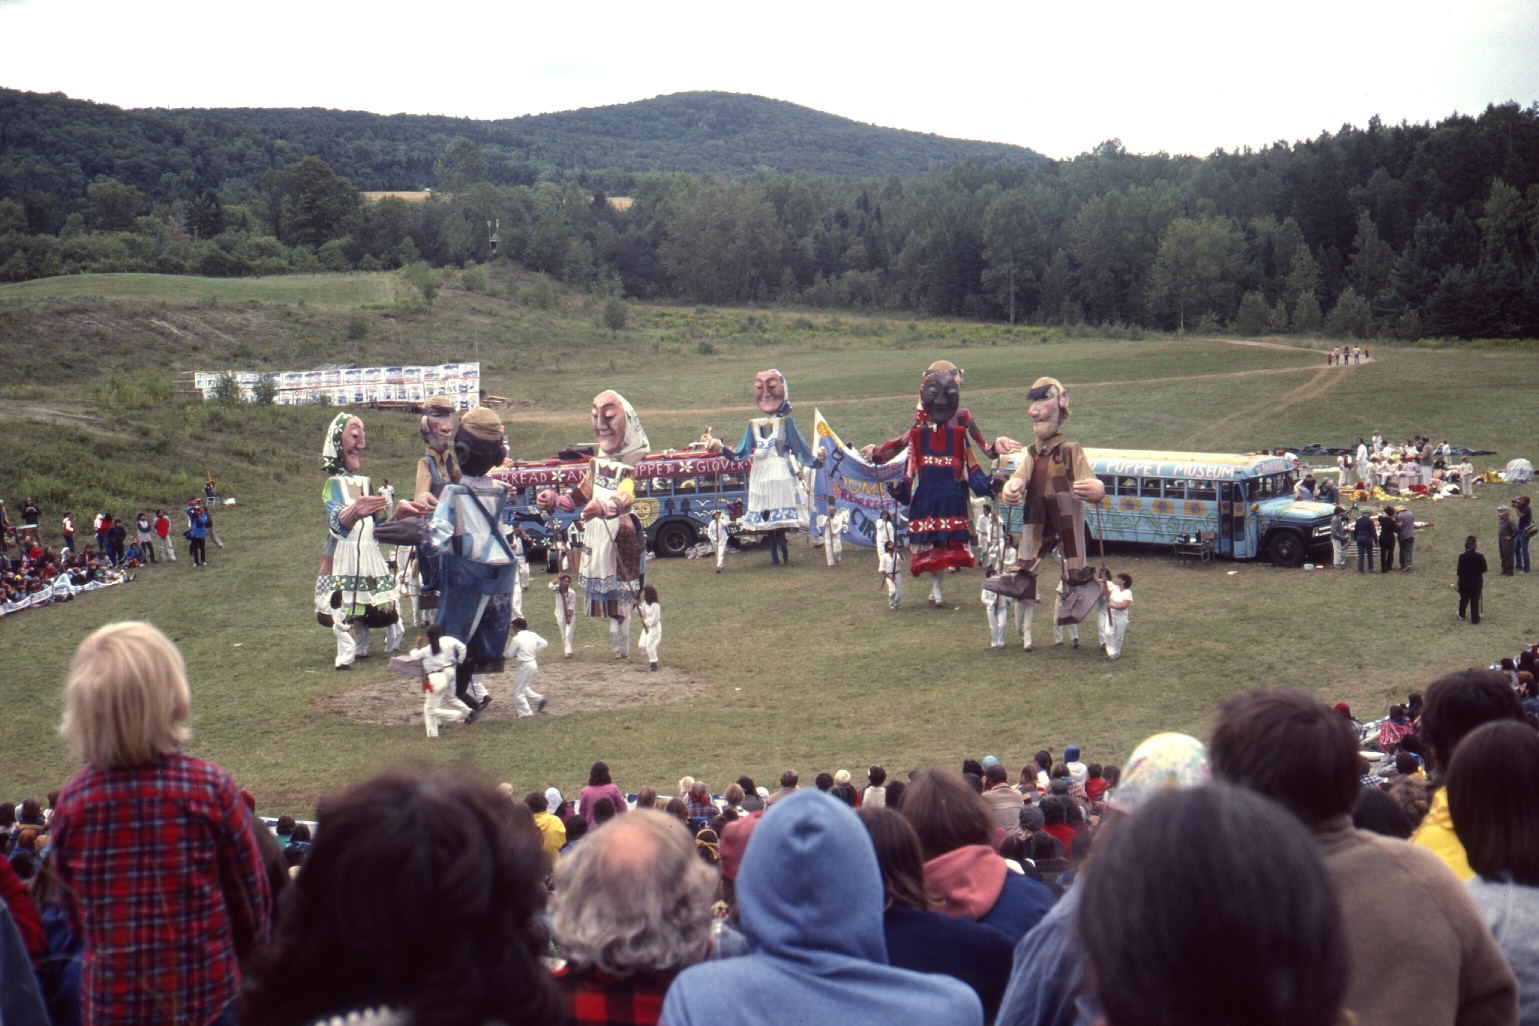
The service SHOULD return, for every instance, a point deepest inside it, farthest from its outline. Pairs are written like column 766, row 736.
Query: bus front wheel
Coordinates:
column 674, row 540
column 1285, row 549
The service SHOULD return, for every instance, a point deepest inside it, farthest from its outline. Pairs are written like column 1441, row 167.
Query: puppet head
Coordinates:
column 345, row 442
column 617, row 429
column 940, row 391
column 438, row 422
column 1049, row 407
column 770, row 393
column 479, row 444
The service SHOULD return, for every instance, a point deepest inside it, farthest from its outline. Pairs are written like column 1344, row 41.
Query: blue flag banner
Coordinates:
column 853, row 484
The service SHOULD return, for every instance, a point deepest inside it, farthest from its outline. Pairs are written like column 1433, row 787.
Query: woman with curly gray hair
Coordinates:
column 632, row 907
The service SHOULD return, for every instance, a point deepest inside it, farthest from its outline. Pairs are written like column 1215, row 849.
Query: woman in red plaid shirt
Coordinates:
column 160, row 871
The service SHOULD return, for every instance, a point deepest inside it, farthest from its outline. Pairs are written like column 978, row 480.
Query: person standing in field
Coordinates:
column 163, row 535
column 525, row 646
column 651, row 613
column 145, row 530
column 566, row 610
column 716, row 532
column 891, row 566
column 1405, row 526
column 1506, row 539
column 1389, row 533
column 439, row 657
column 1119, row 597
column 1363, row 534
column 1471, row 580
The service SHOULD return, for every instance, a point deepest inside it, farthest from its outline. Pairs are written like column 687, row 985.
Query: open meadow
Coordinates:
column 802, row 667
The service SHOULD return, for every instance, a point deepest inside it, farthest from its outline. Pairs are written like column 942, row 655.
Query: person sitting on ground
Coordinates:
column 875, row 793
column 1004, row 801
column 699, row 802
column 1392, row 729
column 1055, row 821
column 920, row 938
column 600, row 786
column 844, row 790
column 1290, row 747
column 576, row 830
column 809, row 896
column 436, row 924
column 552, row 830
column 788, row 785
column 1456, row 704
column 1245, row 960
column 1495, row 808
column 963, row 873
column 1095, row 782
column 299, row 845
column 632, row 908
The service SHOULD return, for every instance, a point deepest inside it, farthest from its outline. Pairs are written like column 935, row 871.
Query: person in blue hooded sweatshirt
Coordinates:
column 810, row 898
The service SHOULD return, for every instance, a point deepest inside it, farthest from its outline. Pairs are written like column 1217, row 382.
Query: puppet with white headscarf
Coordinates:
column 777, row 498
column 355, row 589
column 614, row 541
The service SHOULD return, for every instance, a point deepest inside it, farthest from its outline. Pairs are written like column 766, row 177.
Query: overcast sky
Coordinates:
column 1184, row 76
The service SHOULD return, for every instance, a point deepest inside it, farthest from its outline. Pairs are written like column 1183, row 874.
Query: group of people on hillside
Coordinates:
column 946, row 897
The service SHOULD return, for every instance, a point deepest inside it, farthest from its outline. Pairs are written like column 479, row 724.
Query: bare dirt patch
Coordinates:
column 568, row 687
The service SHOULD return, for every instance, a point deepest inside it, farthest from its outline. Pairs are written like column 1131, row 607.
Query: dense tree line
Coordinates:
column 1404, row 230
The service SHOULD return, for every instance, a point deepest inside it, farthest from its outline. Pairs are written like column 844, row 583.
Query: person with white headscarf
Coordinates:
column 355, row 589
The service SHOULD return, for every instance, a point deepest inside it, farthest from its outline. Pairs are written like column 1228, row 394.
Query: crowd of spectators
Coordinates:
column 36, row 571
column 1269, row 875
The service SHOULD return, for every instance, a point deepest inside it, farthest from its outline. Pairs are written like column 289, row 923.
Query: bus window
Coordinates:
column 1149, row 487
column 684, row 486
column 1110, row 483
column 1175, row 489
column 1127, row 486
column 729, row 482
column 660, row 486
column 1203, row 491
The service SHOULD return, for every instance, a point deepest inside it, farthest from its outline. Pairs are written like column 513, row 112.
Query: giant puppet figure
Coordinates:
column 477, row 567
column 1054, row 481
column 777, row 499
column 940, row 471
column 436, row 469
column 613, row 540
column 355, row 589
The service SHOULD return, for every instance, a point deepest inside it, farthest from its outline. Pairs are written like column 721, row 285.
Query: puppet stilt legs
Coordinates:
column 935, row 588
column 1025, row 612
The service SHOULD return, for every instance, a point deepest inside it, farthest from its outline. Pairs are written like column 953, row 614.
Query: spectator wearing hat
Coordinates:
column 1078, row 772
column 1506, row 539
column 1470, row 580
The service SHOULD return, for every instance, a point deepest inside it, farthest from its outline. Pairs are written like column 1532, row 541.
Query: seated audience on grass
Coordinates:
column 552, row 830
column 1162, row 952
column 1456, row 704
column 1048, row 984
column 600, row 786
column 631, row 909
column 207, row 905
column 1494, row 800
column 920, row 938
column 434, row 924
column 1376, row 812
column 809, row 895
column 1443, row 965
column 964, row 875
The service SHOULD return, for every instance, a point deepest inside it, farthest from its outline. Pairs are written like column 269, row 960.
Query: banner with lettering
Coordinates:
column 854, row 484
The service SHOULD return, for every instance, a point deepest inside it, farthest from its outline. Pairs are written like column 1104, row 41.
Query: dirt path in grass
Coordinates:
column 568, row 687
column 1321, row 383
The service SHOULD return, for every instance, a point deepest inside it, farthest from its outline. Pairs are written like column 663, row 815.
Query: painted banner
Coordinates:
column 357, row 385
column 854, row 484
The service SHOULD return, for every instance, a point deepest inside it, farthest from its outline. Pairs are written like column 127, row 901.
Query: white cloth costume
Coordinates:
column 1001, row 609
column 716, row 532
column 833, row 527
column 439, row 704
column 1118, row 619
column 525, row 647
column 605, row 593
column 651, row 629
column 566, row 614
column 891, row 565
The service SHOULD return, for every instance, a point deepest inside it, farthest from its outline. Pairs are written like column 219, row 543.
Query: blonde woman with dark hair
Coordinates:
column 165, row 925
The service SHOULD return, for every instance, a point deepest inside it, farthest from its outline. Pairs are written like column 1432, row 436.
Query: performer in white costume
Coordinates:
column 439, row 657
column 525, row 646
column 890, row 562
column 651, row 613
column 716, row 533
column 833, row 527
column 1001, row 609
column 566, row 610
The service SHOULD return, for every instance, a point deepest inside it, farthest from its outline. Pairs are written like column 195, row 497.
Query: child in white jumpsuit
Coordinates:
column 716, row 531
column 1000, row 608
column 651, row 613
column 892, row 573
column 525, row 647
column 438, row 658
column 566, row 610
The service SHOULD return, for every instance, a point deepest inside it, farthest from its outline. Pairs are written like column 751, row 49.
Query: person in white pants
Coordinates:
column 521, row 577
column 438, row 658
column 525, row 647
column 892, row 572
column 991, row 540
column 1119, row 596
column 566, row 610
column 162, row 525
column 716, row 532
column 651, row 612
column 1001, row 609
column 1058, row 628
column 620, row 634
column 832, row 525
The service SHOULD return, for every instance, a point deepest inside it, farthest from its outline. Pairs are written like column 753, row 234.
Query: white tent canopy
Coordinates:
column 1519, row 470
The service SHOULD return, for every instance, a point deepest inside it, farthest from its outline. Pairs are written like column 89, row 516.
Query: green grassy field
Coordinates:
column 806, row 666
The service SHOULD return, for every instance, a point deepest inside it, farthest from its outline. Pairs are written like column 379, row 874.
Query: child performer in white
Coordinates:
column 891, row 565
column 832, row 525
column 438, row 658
column 1119, row 596
column 651, row 612
column 716, row 531
column 566, row 610
column 1000, row 607
column 525, row 647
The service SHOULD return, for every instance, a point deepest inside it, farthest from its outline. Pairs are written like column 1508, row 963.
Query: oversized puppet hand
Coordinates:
column 406, row 508
column 866, row 452
column 622, row 503
column 363, row 506
column 1090, row 490
column 1014, row 492
column 1004, row 444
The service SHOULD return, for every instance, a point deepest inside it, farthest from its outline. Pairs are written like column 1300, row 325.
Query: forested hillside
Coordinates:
column 1404, row 230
